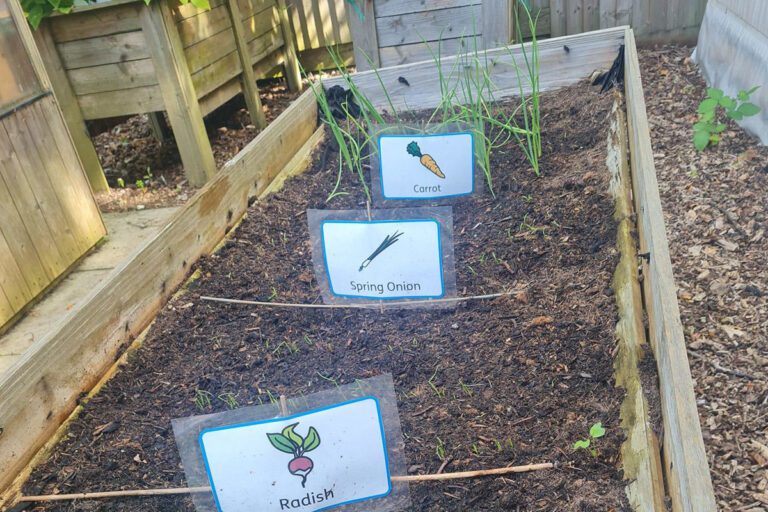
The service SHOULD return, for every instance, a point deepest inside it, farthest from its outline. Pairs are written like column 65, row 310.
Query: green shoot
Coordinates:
column 440, row 449
column 707, row 129
column 595, row 432
column 229, row 399
column 202, row 399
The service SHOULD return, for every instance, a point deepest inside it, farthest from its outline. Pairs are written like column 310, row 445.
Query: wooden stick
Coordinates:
column 347, row 306
column 192, row 490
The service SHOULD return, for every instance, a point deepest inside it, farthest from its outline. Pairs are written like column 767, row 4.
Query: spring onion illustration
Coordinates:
column 427, row 161
column 388, row 241
column 288, row 441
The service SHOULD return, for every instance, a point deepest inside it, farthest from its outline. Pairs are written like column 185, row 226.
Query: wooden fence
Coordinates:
column 318, row 25
column 401, row 31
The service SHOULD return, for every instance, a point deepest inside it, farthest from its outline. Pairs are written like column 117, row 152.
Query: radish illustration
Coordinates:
column 288, row 441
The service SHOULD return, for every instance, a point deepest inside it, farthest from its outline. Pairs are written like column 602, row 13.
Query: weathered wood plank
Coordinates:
column 267, row 20
column 48, row 179
column 70, row 183
column 248, row 80
column 406, row 53
column 103, row 50
column 13, row 168
column 181, row 12
column 497, row 22
column 70, row 108
column 365, row 35
column 99, row 22
column 210, row 50
column 60, row 177
column 574, row 19
column 250, row 8
column 429, row 26
column 591, row 15
column 22, row 274
column 113, row 77
column 194, row 29
column 291, row 59
column 223, row 70
column 90, row 220
column 178, row 91
column 557, row 9
column 608, row 14
column 623, row 12
column 318, row 58
column 138, row 100
column 398, row 7
column 688, row 479
column 558, row 68
column 41, row 389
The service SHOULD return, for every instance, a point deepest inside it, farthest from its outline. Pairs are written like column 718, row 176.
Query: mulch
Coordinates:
column 716, row 211
column 511, row 381
column 130, row 152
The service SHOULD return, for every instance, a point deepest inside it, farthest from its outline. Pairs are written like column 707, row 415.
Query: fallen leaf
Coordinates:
column 540, row 320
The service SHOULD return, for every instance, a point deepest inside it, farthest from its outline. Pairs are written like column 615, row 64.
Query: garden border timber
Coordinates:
column 42, row 389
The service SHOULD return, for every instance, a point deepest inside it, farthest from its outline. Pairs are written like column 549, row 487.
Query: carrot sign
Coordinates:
column 426, row 160
column 443, row 167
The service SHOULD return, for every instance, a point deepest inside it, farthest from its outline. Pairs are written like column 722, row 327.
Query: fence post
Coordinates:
column 248, row 79
column 70, row 108
column 178, row 92
column 497, row 22
column 292, row 72
column 364, row 35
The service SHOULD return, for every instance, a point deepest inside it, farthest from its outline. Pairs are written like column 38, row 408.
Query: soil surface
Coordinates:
column 716, row 211
column 511, row 381
column 130, row 152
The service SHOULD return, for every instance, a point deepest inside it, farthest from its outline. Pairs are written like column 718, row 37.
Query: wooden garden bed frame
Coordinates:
column 42, row 390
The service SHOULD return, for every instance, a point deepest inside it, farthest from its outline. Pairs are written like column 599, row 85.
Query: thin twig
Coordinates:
column 190, row 490
column 347, row 306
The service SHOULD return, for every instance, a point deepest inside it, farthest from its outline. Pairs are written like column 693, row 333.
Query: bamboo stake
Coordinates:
column 193, row 490
column 348, row 306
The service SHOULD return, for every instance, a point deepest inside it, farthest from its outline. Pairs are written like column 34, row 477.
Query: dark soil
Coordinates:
column 130, row 151
column 511, row 381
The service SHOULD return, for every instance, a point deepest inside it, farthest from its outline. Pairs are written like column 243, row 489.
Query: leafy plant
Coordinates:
column 596, row 431
column 36, row 10
column 288, row 441
column 708, row 128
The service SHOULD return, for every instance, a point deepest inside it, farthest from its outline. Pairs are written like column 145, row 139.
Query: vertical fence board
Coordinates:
column 557, row 18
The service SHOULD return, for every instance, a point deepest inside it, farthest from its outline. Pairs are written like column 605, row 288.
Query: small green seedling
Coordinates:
column 595, row 432
column 440, row 449
column 202, row 399
column 121, row 182
column 708, row 128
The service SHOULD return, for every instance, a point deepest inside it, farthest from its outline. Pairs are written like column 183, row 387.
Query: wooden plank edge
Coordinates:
column 31, row 387
column 688, row 479
column 298, row 163
column 640, row 456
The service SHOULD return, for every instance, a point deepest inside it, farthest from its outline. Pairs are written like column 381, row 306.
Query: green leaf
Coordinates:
column 202, row 4
column 727, row 102
column 707, row 105
column 735, row 115
column 35, row 16
column 707, row 116
column 749, row 92
column 295, row 438
column 281, row 442
column 312, row 440
column 597, row 430
column 700, row 139
column 748, row 109
column 714, row 93
column 581, row 444
column 718, row 128
column 714, row 139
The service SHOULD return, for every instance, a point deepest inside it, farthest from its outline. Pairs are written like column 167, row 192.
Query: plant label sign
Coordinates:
column 383, row 259
column 315, row 460
column 397, row 255
column 426, row 166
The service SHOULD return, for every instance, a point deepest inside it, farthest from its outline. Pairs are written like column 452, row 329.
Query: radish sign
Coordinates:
column 246, row 462
column 289, row 441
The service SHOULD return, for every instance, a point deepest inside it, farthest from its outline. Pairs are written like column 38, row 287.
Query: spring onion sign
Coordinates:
column 383, row 259
column 426, row 166
column 311, row 461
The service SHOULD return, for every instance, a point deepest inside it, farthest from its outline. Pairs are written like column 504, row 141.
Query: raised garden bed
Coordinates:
column 500, row 382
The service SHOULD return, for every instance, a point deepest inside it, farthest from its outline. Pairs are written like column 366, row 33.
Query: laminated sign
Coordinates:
column 400, row 254
column 311, row 461
column 425, row 166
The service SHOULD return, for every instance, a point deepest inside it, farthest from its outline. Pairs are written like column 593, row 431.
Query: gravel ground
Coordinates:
column 716, row 210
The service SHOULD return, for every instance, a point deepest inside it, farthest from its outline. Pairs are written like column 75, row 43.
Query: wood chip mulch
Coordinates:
column 716, row 210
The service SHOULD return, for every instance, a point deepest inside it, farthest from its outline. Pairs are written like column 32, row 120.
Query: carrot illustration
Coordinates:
column 426, row 160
